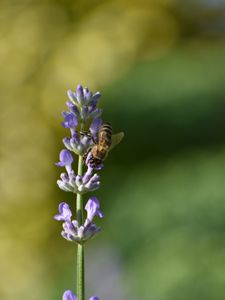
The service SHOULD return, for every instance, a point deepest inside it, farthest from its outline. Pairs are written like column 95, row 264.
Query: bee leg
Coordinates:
column 95, row 141
column 85, row 155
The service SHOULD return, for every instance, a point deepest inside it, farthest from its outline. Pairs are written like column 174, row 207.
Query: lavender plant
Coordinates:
column 83, row 119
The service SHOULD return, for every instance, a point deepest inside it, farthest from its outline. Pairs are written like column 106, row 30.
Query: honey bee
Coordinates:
column 105, row 142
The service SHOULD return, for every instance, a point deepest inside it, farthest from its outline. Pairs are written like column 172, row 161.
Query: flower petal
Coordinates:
column 80, row 93
column 96, row 97
column 95, row 126
column 72, row 96
column 70, row 121
column 65, row 158
column 92, row 208
column 65, row 213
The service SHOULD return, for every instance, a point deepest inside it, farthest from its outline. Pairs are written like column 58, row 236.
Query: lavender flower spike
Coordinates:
column 66, row 160
column 83, row 119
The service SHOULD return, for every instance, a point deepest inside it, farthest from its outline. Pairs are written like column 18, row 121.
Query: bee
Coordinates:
column 105, row 142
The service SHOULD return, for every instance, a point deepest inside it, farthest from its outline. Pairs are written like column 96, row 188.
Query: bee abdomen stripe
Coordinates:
column 107, row 132
column 107, row 128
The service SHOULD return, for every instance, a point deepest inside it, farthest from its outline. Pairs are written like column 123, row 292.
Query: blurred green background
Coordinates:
column 160, row 66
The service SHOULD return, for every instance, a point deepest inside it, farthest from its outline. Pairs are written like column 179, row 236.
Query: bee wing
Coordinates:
column 116, row 139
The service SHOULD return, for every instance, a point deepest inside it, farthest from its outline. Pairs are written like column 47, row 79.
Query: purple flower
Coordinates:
column 70, row 121
column 92, row 208
column 65, row 213
column 66, row 142
column 68, row 295
column 78, row 144
column 90, row 230
column 71, row 230
column 66, row 160
column 88, row 174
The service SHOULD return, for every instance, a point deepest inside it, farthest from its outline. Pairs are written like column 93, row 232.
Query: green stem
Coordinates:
column 80, row 272
column 80, row 247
